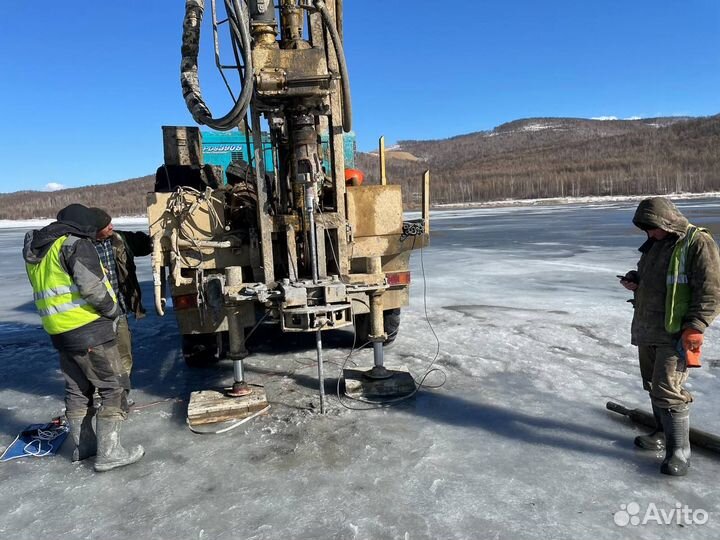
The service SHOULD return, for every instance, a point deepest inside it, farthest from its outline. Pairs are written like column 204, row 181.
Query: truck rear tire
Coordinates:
column 200, row 350
column 391, row 320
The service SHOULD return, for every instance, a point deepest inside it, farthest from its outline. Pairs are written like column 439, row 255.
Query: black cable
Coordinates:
column 427, row 319
column 342, row 64
column 336, row 39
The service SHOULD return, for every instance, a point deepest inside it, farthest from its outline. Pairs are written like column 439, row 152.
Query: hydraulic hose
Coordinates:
column 158, row 273
column 342, row 64
column 189, row 80
column 339, row 18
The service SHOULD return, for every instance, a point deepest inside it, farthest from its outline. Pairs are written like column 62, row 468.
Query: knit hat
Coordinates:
column 76, row 213
column 101, row 218
column 83, row 216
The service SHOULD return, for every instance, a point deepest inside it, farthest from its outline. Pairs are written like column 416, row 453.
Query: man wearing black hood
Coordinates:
column 676, row 297
column 79, row 309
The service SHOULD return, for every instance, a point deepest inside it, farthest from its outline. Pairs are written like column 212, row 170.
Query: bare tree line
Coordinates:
column 525, row 159
column 119, row 199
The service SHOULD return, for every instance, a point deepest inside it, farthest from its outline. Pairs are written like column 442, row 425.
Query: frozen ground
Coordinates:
column 534, row 332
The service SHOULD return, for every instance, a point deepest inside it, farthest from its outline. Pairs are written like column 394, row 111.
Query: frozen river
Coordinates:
column 534, row 340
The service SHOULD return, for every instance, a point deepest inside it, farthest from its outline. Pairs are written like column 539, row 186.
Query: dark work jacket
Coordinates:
column 127, row 245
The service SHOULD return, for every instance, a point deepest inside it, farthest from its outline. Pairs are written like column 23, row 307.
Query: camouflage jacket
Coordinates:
column 126, row 246
column 648, row 325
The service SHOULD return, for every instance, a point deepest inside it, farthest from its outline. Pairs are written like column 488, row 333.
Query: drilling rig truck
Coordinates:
column 284, row 235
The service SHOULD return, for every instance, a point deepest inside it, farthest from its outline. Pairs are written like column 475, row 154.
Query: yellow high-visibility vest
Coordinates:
column 678, row 293
column 57, row 299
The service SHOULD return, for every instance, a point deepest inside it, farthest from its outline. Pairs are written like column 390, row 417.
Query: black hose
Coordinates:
column 339, row 18
column 342, row 64
column 189, row 80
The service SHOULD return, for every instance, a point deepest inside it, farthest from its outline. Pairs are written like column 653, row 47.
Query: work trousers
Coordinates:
column 124, row 343
column 664, row 373
column 99, row 368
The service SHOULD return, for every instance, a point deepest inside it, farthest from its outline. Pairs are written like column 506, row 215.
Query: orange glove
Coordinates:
column 692, row 341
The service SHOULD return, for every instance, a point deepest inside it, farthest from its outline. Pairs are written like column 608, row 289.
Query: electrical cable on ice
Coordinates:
column 420, row 383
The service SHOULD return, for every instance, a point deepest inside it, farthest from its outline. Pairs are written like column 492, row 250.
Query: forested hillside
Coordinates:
column 557, row 157
column 119, row 199
column 531, row 158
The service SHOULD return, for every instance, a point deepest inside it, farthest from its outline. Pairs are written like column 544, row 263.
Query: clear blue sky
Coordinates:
column 85, row 86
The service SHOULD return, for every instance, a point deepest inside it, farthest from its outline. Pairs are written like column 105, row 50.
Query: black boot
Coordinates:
column 83, row 435
column 676, row 422
column 655, row 440
column 110, row 453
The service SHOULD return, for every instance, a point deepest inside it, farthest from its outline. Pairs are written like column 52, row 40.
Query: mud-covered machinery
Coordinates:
column 285, row 238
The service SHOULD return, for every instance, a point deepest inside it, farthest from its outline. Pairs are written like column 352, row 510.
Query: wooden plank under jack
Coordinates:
column 357, row 385
column 212, row 407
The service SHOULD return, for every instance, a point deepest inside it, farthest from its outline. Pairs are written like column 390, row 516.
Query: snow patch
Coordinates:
column 391, row 148
column 538, row 127
column 609, row 118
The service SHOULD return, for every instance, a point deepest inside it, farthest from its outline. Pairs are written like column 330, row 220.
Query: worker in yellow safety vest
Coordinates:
column 676, row 296
column 79, row 311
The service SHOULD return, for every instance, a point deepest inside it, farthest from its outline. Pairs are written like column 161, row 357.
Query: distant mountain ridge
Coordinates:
column 528, row 158
column 560, row 157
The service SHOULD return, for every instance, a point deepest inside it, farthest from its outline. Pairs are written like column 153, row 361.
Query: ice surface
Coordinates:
column 122, row 221
column 534, row 333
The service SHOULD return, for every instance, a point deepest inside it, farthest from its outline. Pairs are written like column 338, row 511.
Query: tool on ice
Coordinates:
column 698, row 438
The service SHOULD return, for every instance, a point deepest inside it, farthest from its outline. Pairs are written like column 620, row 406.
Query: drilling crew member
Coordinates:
column 78, row 309
column 117, row 251
column 676, row 297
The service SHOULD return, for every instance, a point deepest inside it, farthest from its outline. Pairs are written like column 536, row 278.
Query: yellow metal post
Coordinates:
column 426, row 201
column 383, row 178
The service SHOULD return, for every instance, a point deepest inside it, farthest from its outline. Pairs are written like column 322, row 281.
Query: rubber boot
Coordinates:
column 110, row 453
column 83, row 435
column 655, row 440
column 676, row 422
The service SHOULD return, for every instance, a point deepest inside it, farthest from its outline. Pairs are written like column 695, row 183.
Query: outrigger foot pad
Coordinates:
column 360, row 384
column 208, row 407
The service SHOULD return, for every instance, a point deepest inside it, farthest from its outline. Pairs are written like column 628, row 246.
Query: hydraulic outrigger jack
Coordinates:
column 241, row 400
column 237, row 352
column 378, row 371
column 378, row 381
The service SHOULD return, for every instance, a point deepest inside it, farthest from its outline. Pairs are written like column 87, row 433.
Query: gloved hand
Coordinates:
column 692, row 341
column 632, row 276
column 630, row 280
